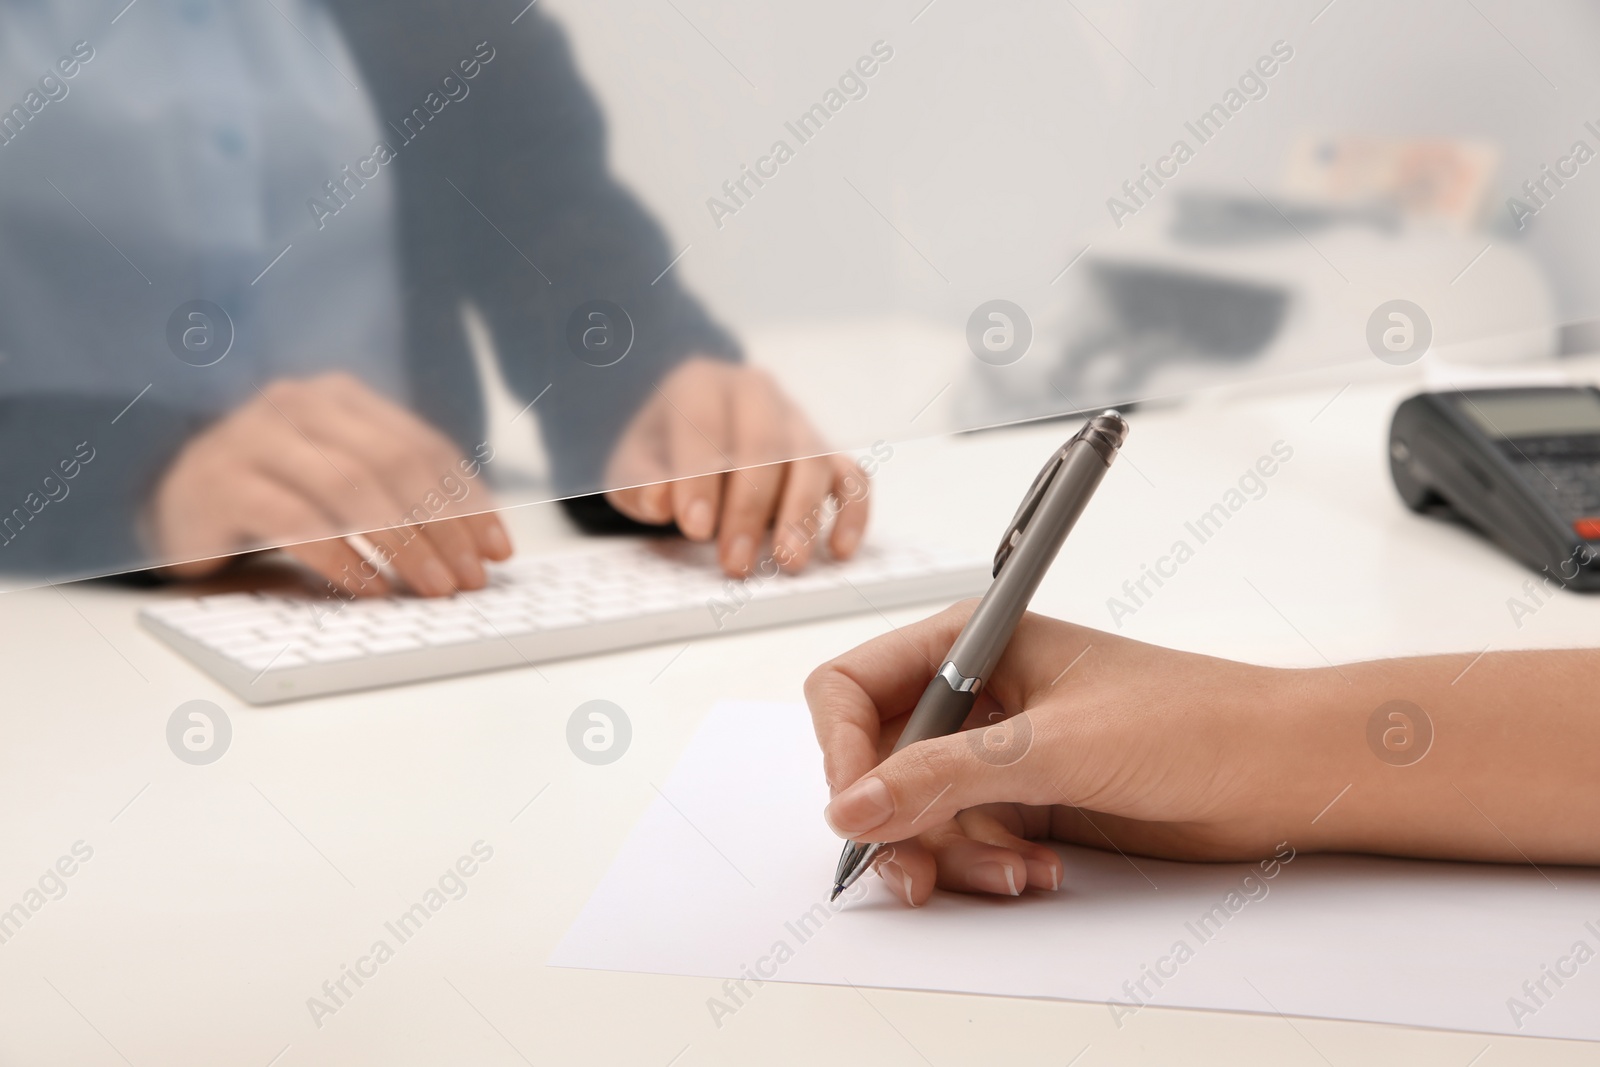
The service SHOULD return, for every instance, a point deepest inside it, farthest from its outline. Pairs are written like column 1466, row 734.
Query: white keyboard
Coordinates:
column 269, row 647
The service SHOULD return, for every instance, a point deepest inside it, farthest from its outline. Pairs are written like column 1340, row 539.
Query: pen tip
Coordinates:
column 835, row 895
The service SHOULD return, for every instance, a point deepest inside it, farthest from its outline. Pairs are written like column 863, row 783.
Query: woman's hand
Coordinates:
column 307, row 461
column 720, row 450
column 1079, row 736
column 1097, row 740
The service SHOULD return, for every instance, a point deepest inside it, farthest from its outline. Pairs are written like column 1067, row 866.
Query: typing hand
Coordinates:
column 1130, row 746
column 714, row 449
column 305, row 461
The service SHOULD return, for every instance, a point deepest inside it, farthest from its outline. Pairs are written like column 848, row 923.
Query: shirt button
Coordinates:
column 230, row 141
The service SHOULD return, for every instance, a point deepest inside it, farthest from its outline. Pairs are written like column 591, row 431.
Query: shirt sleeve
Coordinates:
column 74, row 482
column 571, row 235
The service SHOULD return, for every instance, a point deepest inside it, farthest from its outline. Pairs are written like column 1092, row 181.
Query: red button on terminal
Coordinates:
column 1588, row 529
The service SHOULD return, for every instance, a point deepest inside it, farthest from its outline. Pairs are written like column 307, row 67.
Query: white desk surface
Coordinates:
column 219, row 898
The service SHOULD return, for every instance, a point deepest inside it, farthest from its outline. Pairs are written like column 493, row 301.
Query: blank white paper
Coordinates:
column 727, row 876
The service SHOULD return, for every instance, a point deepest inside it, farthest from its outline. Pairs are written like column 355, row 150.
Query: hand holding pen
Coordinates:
column 1071, row 735
column 1030, row 544
column 1088, row 738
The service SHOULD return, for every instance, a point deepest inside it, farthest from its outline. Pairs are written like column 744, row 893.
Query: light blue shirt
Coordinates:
column 176, row 164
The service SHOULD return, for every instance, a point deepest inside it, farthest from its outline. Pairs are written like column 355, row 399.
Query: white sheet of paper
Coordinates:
column 726, row 876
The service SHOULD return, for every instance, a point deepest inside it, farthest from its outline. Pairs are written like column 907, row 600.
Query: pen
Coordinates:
column 1049, row 510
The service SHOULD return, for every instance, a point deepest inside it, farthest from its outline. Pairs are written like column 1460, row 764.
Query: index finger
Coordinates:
column 852, row 695
column 697, row 431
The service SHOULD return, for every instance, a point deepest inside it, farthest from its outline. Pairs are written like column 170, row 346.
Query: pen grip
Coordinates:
column 939, row 713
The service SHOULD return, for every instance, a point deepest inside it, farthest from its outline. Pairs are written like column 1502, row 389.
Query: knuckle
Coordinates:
column 830, row 769
column 444, row 457
column 338, row 381
column 342, row 467
column 919, row 764
column 763, row 443
column 815, row 687
column 827, row 685
column 286, row 519
column 756, row 378
column 695, row 371
column 283, row 391
column 390, row 457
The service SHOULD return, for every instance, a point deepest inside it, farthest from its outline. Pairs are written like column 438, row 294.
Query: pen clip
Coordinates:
column 1030, row 504
column 1104, row 433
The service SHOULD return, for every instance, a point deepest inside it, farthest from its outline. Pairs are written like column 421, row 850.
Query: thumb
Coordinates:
column 925, row 784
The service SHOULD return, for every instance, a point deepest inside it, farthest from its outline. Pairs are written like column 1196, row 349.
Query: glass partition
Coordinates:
column 278, row 272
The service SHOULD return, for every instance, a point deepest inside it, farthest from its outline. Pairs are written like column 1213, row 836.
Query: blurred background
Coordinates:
column 514, row 227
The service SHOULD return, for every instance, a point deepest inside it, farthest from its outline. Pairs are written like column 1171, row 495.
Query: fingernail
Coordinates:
column 894, row 874
column 698, row 522
column 435, row 579
column 1042, row 875
column 995, row 878
column 499, row 543
column 846, row 541
column 741, row 554
column 864, row 805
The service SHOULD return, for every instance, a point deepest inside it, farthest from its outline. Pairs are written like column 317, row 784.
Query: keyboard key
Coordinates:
column 281, row 633
column 448, row 637
column 513, row 627
column 244, row 644
column 560, row 622
column 281, row 659
column 332, row 653
column 382, row 645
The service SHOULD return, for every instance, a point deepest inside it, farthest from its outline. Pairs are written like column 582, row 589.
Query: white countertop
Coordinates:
column 219, row 898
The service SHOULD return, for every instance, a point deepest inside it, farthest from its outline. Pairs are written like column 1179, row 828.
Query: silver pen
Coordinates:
column 1048, row 512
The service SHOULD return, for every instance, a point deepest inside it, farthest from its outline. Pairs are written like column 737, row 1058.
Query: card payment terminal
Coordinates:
column 1521, row 465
